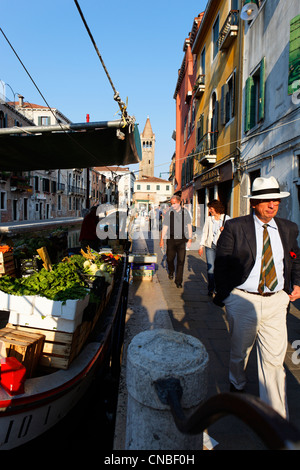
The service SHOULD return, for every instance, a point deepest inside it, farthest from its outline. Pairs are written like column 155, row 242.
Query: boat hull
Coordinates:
column 47, row 400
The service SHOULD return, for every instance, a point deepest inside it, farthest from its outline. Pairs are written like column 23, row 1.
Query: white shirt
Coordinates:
column 211, row 230
column 251, row 284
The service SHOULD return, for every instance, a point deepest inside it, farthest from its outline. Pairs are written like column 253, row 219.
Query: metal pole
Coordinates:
column 62, row 127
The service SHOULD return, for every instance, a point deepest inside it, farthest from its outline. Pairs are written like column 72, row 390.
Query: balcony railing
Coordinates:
column 75, row 190
column 199, row 86
column 207, row 148
column 229, row 30
column 60, row 187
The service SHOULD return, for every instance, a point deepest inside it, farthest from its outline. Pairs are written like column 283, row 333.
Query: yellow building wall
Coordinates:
column 217, row 72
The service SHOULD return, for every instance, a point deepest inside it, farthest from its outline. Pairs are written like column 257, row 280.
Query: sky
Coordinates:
column 141, row 44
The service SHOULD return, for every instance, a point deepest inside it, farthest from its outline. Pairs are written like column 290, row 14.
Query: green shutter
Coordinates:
column 294, row 54
column 39, row 121
column 249, row 104
column 261, row 103
column 182, row 173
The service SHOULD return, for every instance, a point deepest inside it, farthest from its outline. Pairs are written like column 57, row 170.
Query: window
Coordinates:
column 202, row 62
column 158, row 187
column 2, row 200
column 2, row 120
column 148, row 187
column 215, row 38
column 255, row 97
column 46, row 185
column 228, row 100
column 167, row 188
column 200, row 128
column 44, row 121
column 138, row 187
column 214, row 123
column 36, row 183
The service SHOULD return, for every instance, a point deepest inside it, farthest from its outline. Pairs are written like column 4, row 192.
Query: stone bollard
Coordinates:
column 161, row 354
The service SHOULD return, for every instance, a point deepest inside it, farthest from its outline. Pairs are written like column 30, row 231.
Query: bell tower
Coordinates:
column 146, row 167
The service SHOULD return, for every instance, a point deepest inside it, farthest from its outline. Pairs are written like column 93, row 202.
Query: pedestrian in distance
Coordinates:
column 257, row 274
column 177, row 230
column 211, row 231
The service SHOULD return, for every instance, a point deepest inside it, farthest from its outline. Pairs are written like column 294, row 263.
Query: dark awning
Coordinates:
column 76, row 146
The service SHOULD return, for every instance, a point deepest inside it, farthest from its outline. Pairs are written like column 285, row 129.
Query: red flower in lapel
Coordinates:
column 293, row 255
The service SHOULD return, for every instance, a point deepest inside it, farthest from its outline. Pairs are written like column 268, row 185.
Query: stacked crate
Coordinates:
column 7, row 262
column 25, row 346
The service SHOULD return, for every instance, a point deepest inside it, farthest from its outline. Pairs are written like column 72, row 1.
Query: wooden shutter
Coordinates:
column 183, row 174
column 200, row 128
column 261, row 103
column 249, row 104
column 233, row 94
column 223, row 105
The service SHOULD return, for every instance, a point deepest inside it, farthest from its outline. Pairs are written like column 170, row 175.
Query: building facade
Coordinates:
column 53, row 193
column 15, row 187
column 271, row 101
column 218, row 48
column 151, row 191
column 119, row 185
column 186, row 103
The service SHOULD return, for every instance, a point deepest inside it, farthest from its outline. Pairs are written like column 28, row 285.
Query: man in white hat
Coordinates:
column 257, row 274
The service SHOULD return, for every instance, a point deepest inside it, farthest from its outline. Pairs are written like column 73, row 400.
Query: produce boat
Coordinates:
column 45, row 398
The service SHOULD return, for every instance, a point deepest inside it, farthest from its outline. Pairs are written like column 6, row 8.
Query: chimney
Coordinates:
column 21, row 102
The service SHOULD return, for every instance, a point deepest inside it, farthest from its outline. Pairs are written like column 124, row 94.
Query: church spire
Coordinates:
column 147, row 132
column 146, row 167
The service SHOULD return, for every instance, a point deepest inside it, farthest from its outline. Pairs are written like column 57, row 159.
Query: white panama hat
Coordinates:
column 266, row 188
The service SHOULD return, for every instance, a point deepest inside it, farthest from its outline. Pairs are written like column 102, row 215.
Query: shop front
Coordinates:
column 215, row 183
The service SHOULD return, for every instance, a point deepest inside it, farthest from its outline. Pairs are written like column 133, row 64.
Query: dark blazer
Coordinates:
column 236, row 253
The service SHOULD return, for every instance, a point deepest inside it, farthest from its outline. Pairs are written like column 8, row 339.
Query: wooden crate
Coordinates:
column 60, row 348
column 7, row 264
column 23, row 345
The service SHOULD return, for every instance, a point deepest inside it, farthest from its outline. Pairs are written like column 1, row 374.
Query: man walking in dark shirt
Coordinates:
column 177, row 228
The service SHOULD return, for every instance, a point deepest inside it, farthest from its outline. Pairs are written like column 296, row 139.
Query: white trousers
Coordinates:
column 253, row 317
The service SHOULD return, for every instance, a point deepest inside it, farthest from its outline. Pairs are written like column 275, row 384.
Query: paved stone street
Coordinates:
column 160, row 304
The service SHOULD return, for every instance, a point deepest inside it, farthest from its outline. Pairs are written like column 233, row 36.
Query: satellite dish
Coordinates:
column 249, row 10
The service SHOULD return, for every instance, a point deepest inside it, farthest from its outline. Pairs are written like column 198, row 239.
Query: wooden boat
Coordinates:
column 48, row 398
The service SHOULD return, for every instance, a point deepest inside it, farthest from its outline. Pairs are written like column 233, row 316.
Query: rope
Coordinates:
column 122, row 106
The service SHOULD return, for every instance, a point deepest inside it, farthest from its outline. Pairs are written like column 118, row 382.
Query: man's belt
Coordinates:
column 264, row 294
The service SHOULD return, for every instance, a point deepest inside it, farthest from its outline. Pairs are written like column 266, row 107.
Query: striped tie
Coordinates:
column 268, row 273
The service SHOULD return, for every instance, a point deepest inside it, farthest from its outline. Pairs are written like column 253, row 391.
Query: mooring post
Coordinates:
column 153, row 356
